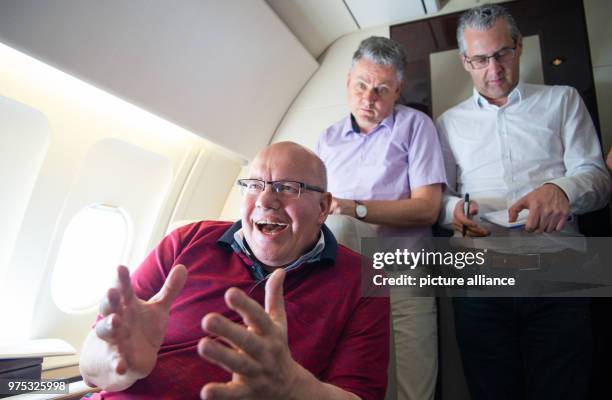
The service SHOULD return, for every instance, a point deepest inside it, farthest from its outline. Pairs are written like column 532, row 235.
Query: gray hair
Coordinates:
column 483, row 18
column 382, row 51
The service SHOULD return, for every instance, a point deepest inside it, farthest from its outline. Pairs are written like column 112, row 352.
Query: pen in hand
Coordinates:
column 466, row 211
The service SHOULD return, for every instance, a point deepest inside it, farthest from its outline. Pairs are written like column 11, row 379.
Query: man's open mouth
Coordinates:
column 270, row 227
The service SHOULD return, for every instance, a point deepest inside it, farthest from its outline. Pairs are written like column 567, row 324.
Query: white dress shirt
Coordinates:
column 543, row 134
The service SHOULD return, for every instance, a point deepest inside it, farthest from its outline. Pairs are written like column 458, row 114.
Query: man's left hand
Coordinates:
column 548, row 208
column 258, row 356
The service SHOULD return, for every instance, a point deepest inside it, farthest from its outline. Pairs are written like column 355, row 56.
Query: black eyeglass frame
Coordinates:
column 303, row 186
column 495, row 55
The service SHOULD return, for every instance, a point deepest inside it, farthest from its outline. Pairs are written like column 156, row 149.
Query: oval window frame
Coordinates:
column 98, row 283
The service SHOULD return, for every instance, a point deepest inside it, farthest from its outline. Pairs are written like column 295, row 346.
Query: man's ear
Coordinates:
column 325, row 205
column 519, row 45
column 398, row 90
column 466, row 65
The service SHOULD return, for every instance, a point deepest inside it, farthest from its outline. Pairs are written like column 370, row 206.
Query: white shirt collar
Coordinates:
column 516, row 96
column 311, row 256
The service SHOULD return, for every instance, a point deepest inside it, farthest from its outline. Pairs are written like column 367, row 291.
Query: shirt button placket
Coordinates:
column 362, row 149
column 505, row 148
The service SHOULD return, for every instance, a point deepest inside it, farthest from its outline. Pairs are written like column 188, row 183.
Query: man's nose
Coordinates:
column 494, row 64
column 268, row 199
column 370, row 96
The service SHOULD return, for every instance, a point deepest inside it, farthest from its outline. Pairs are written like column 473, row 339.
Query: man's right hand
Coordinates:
column 460, row 220
column 133, row 329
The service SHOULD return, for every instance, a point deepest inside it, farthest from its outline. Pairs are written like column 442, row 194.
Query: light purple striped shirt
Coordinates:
column 401, row 154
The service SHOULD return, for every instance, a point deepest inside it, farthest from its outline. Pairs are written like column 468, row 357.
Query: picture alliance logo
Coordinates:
column 423, row 258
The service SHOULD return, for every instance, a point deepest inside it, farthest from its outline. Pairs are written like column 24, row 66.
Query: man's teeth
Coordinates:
column 270, row 227
column 264, row 222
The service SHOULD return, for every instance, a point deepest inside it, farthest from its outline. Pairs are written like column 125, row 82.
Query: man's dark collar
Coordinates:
column 388, row 121
column 227, row 238
column 354, row 124
column 328, row 255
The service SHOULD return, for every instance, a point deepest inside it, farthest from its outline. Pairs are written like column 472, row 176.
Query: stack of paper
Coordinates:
column 501, row 218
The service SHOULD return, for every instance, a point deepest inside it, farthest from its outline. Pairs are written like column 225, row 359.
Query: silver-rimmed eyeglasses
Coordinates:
column 504, row 55
column 286, row 189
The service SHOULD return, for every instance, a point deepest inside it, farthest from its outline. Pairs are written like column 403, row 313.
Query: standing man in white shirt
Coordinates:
column 517, row 146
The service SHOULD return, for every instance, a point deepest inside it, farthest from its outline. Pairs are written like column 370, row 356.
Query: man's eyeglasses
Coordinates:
column 286, row 189
column 480, row 62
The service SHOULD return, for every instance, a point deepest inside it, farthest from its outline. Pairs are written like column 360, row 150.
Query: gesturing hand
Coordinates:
column 134, row 329
column 548, row 209
column 259, row 357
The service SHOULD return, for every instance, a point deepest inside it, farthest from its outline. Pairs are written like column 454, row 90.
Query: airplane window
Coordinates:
column 94, row 243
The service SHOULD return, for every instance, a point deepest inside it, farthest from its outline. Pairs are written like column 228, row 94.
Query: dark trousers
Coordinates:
column 525, row 348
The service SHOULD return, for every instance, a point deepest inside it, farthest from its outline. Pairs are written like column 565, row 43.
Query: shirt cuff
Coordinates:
column 440, row 180
column 568, row 186
column 449, row 204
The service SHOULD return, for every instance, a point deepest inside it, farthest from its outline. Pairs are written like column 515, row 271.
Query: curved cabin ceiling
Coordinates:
column 318, row 23
column 224, row 70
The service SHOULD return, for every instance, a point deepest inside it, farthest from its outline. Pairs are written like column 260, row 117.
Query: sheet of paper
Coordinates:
column 501, row 218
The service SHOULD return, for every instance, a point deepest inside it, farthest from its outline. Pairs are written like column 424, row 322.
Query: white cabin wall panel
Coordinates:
column 173, row 59
column 451, row 6
column 370, row 13
column 316, row 23
column 301, row 126
column 598, row 13
column 124, row 175
column 231, row 208
column 119, row 174
column 80, row 116
column 327, row 87
column 603, row 87
column 600, row 41
column 212, row 177
column 432, row 6
column 24, row 141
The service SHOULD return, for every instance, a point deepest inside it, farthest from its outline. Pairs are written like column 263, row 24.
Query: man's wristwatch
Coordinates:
column 360, row 210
